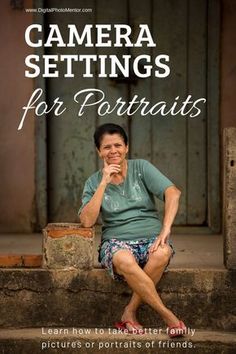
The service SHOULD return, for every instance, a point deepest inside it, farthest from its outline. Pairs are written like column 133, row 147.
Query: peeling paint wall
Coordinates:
column 17, row 154
column 228, row 64
column 17, row 149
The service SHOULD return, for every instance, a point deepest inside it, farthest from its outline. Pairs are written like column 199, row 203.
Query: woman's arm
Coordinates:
column 90, row 212
column 172, row 196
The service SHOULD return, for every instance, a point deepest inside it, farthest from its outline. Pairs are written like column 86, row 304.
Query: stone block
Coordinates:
column 68, row 246
column 229, row 204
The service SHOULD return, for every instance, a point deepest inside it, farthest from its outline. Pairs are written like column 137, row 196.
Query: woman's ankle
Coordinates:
column 170, row 319
column 130, row 310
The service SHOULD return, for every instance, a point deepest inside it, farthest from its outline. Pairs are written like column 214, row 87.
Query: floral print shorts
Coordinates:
column 139, row 249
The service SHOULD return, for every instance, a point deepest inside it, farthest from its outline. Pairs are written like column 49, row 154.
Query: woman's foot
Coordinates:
column 177, row 330
column 130, row 320
column 175, row 327
column 170, row 319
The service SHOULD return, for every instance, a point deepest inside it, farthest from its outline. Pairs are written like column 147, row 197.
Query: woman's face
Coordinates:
column 113, row 149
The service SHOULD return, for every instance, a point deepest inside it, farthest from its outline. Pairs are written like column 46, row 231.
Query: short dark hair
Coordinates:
column 109, row 128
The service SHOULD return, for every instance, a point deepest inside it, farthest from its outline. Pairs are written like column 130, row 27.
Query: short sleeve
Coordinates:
column 88, row 193
column 155, row 181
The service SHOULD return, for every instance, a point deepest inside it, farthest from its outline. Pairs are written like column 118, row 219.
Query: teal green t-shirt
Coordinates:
column 128, row 210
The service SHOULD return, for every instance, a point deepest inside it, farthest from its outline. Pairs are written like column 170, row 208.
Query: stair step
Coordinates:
column 107, row 340
column 39, row 297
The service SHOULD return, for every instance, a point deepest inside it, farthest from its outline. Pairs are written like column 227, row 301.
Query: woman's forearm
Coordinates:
column 172, row 196
column 90, row 212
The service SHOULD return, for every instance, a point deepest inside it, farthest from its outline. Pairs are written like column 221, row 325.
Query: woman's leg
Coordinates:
column 126, row 265
column 154, row 269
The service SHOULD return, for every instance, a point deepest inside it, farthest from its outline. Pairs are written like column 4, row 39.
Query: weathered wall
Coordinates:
column 17, row 149
column 228, row 64
column 17, row 155
column 229, row 188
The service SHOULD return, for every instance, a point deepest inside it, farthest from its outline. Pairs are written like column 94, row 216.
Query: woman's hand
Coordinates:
column 161, row 240
column 108, row 171
column 172, row 195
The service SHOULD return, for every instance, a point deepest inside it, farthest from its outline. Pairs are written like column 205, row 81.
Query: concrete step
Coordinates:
column 101, row 340
column 194, row 249
column 39, row 297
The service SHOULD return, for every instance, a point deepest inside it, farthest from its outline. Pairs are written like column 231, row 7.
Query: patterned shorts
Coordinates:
column 139, row 249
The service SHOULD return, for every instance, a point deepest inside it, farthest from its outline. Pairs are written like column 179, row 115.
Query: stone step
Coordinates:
column 107, row 340
column 39, row 297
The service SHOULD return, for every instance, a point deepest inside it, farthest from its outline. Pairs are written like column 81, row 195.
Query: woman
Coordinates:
column 134, row 242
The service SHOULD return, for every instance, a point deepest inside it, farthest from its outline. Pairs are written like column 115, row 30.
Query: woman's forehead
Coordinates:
column 111, row 139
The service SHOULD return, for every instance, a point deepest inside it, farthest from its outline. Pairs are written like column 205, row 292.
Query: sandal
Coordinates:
column 177, row 330
column 123, row 326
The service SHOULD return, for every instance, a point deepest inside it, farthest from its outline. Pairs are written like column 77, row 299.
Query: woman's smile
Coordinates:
column 113, row 157
column 113, row 149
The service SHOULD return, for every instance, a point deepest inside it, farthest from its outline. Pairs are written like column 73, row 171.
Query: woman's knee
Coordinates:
column 123, row 261
column 162, row 255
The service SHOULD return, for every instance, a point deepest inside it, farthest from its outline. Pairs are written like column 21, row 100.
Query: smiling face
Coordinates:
column 113, row 149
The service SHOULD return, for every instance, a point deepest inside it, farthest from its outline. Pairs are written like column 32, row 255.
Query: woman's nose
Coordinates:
column 113, row 149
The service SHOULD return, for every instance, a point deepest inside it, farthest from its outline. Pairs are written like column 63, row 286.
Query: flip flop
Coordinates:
column 123, row 326
column 177, row 330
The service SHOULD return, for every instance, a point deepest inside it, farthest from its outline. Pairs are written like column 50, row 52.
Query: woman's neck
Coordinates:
column 124, row 166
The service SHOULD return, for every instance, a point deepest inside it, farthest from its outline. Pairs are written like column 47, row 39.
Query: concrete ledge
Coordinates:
column 68, row 246
column 106, row 340
column 202, row 298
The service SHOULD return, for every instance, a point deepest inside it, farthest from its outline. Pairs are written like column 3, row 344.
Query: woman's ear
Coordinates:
column 99, row 153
